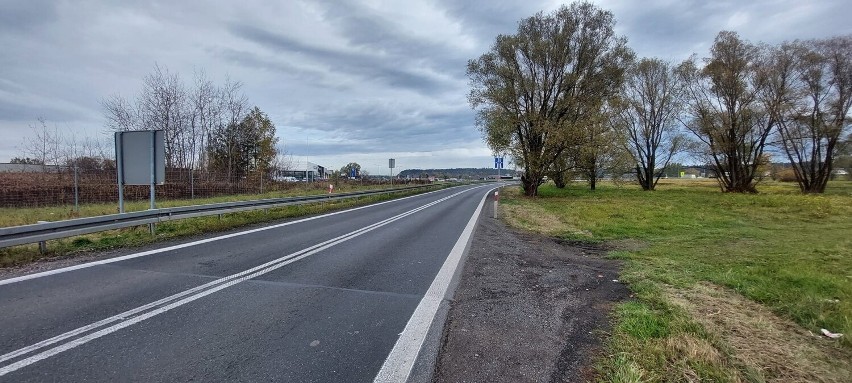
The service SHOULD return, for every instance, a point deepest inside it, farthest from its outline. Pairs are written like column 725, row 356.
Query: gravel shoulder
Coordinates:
column 528, row 309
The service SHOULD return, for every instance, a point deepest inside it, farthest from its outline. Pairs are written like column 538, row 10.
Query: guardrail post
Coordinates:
column 42, row 245
column 152, row 228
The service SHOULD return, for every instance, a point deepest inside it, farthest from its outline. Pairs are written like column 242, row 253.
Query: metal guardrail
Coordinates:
column 20, row 235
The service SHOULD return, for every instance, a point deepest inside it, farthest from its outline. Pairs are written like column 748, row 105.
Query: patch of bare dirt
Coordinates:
column 773, row 348
column 528, row 309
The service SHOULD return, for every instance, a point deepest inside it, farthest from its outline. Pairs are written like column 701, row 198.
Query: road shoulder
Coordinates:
column 527, row 308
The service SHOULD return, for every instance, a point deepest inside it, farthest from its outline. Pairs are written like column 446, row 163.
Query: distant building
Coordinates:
column 301, row 171
column 30, row 168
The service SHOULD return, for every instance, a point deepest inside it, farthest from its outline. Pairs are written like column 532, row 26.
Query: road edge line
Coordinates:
column 400, row 362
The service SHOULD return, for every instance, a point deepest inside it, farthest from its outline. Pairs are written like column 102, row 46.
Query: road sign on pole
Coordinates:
column 498, row 162
column 140, row 160
column 391, row 165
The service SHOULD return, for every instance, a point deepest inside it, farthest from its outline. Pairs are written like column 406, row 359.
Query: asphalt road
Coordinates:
column 323, row 299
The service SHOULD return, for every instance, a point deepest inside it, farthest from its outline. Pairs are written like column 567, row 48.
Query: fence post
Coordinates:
column 76, row 188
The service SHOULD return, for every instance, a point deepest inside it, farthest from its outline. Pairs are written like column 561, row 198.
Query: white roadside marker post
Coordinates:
column 496, row 200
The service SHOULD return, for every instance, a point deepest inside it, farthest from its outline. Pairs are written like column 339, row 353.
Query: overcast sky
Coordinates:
column 342, row 81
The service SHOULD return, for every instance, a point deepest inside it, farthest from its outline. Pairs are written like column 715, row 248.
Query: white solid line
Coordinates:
column 129, row 317
column 400, row 361
column 194, row 243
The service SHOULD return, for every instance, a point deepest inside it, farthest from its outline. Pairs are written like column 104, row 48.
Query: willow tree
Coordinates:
column 601, row 151
column 647, row 114
column 814, row 79
column 533, row 90
column 726, row 111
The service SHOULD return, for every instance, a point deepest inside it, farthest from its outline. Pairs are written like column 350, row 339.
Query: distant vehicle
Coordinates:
column 286, row 179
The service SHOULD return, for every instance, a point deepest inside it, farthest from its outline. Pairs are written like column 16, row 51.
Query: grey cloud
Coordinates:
column 253, row 60
column 370, row 67
column 374, row 124
column 363, row 28
column 674, row 30
column 26, row 15
column 487, row 19
column 26, row 114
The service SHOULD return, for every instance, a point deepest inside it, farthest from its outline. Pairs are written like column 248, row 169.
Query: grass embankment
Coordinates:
column 729, row 287
column 138, row 236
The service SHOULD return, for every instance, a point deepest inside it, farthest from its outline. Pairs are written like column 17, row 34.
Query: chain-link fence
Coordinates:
column 59, row 186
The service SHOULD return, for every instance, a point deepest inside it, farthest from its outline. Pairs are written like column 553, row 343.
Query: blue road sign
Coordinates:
column 353, row 172
column 498, row 162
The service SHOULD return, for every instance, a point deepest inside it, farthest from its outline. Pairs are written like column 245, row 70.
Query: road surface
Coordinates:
column 341, row 297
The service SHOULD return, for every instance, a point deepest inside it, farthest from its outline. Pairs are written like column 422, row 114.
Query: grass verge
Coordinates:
column 31, row 215
column 139, row 235
column 729, row 287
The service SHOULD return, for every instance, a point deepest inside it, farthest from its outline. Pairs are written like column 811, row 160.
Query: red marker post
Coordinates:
column 330, row 188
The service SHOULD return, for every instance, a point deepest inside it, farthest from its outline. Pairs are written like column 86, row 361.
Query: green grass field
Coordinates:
column 715, row 274
column 138, row 236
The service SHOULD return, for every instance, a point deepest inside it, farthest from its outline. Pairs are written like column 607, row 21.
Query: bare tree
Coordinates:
column 726, row 111
column 537, row 86
column 646, row 115
column 45, row 146
column 189, row 117
column 163, row 106
column 232, row 106
column 233, row 102
column 203, row 118
column 814, row 80
column 283, row 160
column 120, row 114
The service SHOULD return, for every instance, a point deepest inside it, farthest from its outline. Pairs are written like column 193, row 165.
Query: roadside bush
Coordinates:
column 785, row 175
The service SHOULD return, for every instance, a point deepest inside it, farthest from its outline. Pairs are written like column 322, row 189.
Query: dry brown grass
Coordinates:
column 685, row 351
column 537, row 218
column 773, row 348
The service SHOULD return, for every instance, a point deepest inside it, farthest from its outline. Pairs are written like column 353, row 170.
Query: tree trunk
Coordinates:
column 530, row 184
column 559, row 179
column 741, row 185
column 645, row 177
